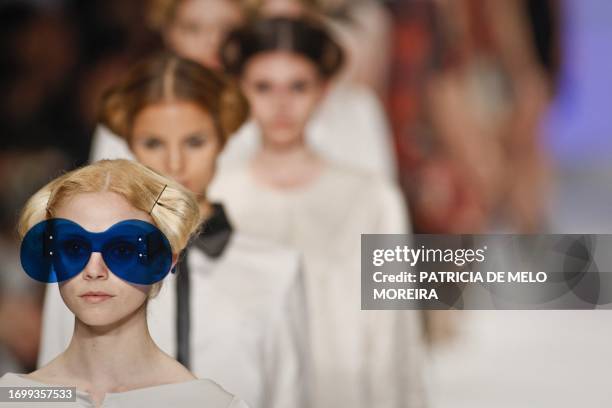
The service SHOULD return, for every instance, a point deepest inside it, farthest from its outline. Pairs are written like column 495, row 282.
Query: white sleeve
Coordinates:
column 286, row 351
column 57, row 326
column 107, row 145
column 351, row 128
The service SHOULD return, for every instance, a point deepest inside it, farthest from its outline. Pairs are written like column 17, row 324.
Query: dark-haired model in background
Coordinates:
column 290, row 194
column 237, row 302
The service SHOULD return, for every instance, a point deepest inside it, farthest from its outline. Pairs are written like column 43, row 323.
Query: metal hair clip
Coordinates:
column 157, row 199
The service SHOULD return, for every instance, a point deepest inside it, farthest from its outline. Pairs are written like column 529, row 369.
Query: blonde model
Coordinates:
column 108, row 234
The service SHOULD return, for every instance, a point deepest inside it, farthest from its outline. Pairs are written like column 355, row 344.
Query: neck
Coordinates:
column 287, row 165
column 285, row 155
column 295, row 147
column 111, row 358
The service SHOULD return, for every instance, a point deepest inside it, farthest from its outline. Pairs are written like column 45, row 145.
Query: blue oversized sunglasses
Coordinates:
column 57, row 249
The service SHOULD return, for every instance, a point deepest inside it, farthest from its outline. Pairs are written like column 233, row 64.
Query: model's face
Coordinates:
column 283, row 90
column 179, row 140
column 116, row 299
column 200, row 26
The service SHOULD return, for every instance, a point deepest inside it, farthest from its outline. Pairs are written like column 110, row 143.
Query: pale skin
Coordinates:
column 178, row 139
column 200, row 26
column 111, row 349
column 284, row 90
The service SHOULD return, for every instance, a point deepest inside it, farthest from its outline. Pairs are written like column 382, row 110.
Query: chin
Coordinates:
column 98, row 318
column 282, row 139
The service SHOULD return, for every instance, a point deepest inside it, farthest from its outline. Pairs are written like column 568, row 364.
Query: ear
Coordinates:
column 174, row 262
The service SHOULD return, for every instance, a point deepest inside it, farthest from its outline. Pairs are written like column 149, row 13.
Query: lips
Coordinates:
column 96, row 297
column 282, row 125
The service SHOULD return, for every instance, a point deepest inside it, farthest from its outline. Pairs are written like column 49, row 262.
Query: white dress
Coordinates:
column 350, row 128
column 360, row 358
column 247, row 322
column 189, row 394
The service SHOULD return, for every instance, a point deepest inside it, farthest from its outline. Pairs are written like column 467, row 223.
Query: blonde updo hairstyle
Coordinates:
column 168, row 77
column 176, row 212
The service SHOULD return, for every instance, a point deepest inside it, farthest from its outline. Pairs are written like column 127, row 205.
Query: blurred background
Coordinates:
column 500, row 123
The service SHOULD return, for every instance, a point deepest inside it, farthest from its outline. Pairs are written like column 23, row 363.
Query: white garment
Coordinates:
column 188, row 394
column 247, row 322
column 360, row 358
column 350, row 128
column 107, row 145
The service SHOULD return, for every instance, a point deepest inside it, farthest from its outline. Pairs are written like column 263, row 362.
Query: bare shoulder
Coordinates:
column 52, row 373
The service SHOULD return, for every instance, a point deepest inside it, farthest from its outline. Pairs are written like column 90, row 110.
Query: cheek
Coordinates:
column 303, row 106
column 68, row 291
column 262, row 108
column 130, row 298
column 258, row 102
column 202, row 162
column 181, row 42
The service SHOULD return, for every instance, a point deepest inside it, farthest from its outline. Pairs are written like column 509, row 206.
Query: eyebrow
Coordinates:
column 188, row 135
column 197, row 133
column 147, row 136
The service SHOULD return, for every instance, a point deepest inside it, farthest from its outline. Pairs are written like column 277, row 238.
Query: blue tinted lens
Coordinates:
column 71, row 248
column 56, row 250
column 138, row 252
column 75, row 248
column 121, row 251
column 36, row 253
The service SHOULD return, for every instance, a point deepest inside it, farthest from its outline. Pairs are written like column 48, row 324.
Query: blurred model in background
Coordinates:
column 471, row 82
column 290, row 193
column 350, row 126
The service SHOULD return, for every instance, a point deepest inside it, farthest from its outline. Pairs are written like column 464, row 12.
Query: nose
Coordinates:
column 175, row 161
column 95, row 268
column 282, row 102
